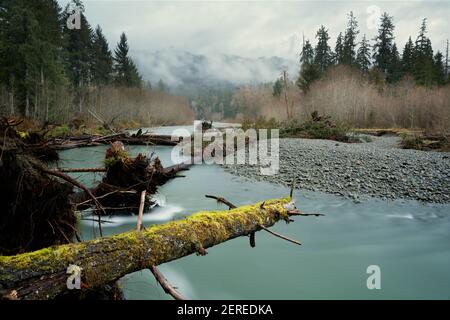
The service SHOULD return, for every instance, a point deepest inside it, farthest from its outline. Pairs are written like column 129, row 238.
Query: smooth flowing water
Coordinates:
column 408, row 240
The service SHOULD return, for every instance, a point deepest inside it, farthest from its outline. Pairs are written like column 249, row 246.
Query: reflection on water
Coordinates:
column 408, row 240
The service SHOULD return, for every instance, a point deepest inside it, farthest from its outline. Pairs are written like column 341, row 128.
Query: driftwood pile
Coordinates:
column 64, row 143
column 39, row 203
column 125, row 179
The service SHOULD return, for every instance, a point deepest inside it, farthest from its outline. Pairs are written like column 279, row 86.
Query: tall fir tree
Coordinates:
column 384, row 42
column 102, row 65
column 423, row 58
column 439, row 69
column 50, row 64
column 78, row 52
column 322, row 51
column 349, row 44
column 309, row 72
column 408, row 58
column 126, row 73
column 338, row 56
column 395, row 66
column 446, row 64
column 363, row 55
column 307, row 53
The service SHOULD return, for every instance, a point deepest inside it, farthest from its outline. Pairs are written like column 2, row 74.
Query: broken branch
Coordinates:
column 141, row 210
column 80, row 186
column 280, row 235
column 222, row 200
column 168, row 288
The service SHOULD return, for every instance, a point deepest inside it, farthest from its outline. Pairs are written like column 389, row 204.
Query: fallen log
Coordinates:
column 79, row 170
column 42, row 274
column 92, row 141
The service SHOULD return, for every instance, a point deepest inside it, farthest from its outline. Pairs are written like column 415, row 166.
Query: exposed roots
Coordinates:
column 35, row 211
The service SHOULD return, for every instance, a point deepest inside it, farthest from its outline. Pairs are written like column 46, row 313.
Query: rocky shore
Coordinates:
column 378, row 168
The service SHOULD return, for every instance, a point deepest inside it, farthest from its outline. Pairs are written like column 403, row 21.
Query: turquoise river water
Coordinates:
column 408, row 240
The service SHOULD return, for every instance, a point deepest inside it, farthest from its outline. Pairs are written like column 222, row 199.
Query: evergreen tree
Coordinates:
column 408, row 58
column 28, row 56
column 307, row 54
column 322, row 57
column 395, row 66
column 446, row 64
column 78, row 52
column 277, row 88
column 40, row 54
column 309, row 72
column 439, row 68
column 349, row 45
column 78, row 47
column 363, row 55
column 50, row 64
column 102, row 66
column 423, row 58
column 162, row 86
column 126, row 73
column 339, row 50
column 382, row 49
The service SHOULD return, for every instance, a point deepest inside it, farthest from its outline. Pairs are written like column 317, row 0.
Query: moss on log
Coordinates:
column 42, row 274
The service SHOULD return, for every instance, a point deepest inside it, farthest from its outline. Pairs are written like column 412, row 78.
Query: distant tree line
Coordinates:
column 40, row 56
column 379, row 61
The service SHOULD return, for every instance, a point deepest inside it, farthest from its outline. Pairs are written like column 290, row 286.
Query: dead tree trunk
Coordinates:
column 42, row 274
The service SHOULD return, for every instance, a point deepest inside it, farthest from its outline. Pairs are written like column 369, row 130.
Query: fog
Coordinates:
column 228, row 37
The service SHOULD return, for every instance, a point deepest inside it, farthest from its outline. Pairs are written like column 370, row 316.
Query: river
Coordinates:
column 408, row 240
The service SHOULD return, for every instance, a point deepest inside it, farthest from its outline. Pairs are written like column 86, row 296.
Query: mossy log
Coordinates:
column 42, row 274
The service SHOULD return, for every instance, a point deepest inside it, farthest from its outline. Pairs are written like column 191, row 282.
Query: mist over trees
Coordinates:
column 43, row 60
column 363, row 82
column 380, row 60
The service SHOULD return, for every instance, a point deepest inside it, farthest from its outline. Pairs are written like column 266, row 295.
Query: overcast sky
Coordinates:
column 256, row 28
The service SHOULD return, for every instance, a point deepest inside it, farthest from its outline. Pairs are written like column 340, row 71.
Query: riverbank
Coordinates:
column 378, row 168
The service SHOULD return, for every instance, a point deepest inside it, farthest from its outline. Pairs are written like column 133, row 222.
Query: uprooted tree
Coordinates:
column 38, row 203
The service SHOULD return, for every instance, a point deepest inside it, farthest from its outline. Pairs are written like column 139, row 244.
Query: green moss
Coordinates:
column 60, row 131
column 118, row 156
column 102, row 131
column 107, row 259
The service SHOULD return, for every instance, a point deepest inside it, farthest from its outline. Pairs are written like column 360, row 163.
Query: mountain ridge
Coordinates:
column 185, row 71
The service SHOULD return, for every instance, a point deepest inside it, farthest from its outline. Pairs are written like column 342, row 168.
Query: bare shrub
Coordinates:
column 347, row 96
column 141, row 105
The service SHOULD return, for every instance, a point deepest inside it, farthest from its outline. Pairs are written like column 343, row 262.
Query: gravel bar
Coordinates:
column 378, row 168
